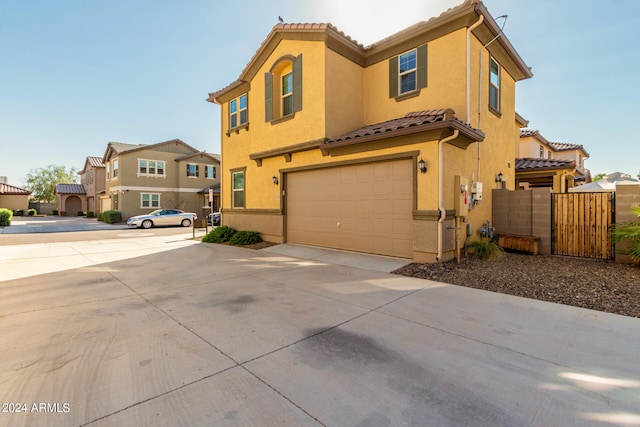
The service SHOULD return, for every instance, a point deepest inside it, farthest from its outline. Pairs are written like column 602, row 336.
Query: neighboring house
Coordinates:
column 71, row 199
column 542, row 163
column 12, row 197
column 379, row 149
column 92, row 177
column 169, row 174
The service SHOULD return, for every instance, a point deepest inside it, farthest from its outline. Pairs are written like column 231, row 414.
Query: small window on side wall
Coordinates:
column 494, row 85
column 238, row 112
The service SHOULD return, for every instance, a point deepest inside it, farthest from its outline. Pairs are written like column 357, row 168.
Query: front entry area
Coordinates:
column 363, row 207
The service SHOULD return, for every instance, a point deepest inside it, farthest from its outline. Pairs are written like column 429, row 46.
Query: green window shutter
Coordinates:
column 297, row 83
column 393, row 77
column 268, row 97
column 422, row 66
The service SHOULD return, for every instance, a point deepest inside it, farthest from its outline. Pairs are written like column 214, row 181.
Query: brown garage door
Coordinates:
column 365, row 207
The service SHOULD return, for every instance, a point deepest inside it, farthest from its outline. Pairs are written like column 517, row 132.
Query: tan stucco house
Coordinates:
column 92, row 177
column 12, row 197
column 386, row 149
column 71, row 199
column 169, row 174
column 556, row 165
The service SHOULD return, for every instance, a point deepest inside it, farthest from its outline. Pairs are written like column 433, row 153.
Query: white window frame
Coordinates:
column 234, row 190
column 407, row 72
column 150, row 200
column 156, row 163
column 195, row 170
column 115, row 168
column 286, row 97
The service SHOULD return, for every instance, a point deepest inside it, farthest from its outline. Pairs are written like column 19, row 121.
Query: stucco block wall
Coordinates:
column 524, row 213
column 626, row 197
column 14, row 202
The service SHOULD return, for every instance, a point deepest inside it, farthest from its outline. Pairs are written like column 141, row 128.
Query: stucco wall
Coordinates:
column 626, row 197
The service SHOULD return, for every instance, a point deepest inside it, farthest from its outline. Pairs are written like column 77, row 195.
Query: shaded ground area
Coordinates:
column 594, row 284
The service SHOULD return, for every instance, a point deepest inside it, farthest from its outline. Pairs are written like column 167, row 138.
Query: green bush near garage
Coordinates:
column 243, row 238
column 5, row 217
column 110, row 217
column 91, row 214
column 32, row 212
column 221, row 234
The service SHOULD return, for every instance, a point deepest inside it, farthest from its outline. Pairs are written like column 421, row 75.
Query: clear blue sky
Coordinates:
column 76, row 74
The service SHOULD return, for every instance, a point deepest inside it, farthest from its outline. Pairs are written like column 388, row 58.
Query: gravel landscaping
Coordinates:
column 593, row 284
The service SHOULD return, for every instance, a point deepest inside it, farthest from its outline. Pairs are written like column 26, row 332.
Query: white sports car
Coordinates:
column 161, row 217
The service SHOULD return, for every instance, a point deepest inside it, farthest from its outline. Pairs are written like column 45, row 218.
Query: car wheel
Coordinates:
column 147, row 223
column 186, row 222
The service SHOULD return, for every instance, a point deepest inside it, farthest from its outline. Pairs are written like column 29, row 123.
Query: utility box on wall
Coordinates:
column 461, row 196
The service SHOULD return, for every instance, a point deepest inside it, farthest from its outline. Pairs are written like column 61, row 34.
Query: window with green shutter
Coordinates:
column 408, row 72
column 283, row 88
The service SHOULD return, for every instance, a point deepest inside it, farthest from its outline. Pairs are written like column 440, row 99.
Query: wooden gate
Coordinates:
column 582, row 225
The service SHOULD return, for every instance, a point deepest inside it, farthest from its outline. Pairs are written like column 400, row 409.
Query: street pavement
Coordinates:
column 162, row 330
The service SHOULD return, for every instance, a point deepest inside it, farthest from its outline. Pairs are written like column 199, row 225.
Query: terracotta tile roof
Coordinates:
column 529, row 132
column 416, row 119
column 70, row 189
column 562, row 146
column 528, row 163
column 13, row 190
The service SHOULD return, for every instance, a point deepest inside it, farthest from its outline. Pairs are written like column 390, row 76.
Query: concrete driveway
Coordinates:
column 56, row 224
column 166, row 331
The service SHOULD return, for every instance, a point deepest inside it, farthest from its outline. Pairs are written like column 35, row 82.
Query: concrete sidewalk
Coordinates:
column 166, row 332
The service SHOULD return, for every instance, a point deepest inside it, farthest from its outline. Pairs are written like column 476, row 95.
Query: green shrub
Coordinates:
column 111, row 217
column 32, row 212
column 18, row 212
column 243, row 238
column 90, row 214
column 101, row 216
column 54, row 211
column 5, row 217
column 80, row 213
column 220, row 234
column 485, row 249
column 628, row 234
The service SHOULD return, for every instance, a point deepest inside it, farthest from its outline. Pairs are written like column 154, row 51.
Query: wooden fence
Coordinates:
column 582, row 224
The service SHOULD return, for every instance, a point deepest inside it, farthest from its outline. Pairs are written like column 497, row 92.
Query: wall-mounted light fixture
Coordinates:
column 422, row 165
column 500, row 177
column 274, row 179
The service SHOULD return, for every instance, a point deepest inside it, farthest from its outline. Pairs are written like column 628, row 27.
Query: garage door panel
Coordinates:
column 373, row 203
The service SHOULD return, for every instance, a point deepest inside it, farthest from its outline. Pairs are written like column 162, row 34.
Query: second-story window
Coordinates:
column 115, row 168
column 408, row 72
column 210, row 172
column 494, row 86
column 541, row 152
column 108, row 171
column 192, row 170
column 283, row 88
column 153, row 168
column 287, row 94
column 238, row 112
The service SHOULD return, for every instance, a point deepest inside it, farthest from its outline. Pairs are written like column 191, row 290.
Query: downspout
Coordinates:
column 469, row 30
column 443, row 212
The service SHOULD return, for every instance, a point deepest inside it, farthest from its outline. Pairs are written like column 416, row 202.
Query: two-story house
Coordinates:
column 542, row 163
column 390, row 149
column 92, row 177
column 169, row 174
